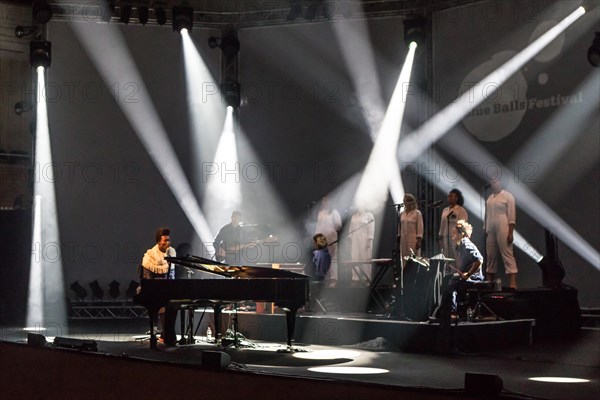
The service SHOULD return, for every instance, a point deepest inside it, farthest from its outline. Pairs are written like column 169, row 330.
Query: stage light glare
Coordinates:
column 328, row 354
column 125, row 13
column 111, row 57
column 161, row 15
column 46, row 299
column 558, row 379
column 373, row 188
column 182, row 18
column 41, row 12
column 415, row 30
column 594, row 51
column 349, row 370
column 143, row 13
column 414, row 144
column 40, row 53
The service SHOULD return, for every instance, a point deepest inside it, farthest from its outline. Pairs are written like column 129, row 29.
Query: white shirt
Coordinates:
column 499, row 210
column 154, row 260
column 456, row 213
column 328, row 223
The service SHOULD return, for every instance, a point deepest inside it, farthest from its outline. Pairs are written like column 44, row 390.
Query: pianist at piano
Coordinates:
column 154, row 266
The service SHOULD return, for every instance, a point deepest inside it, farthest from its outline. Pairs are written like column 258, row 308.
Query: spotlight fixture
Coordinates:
column 41, row 11
column 143, row 15
column 594, row 51
column 22, row 106
column 161, row 15
column 79, row 290
column 40, row 53
column 125, row 13
column 97, row 291
column 230, row 90
column 21, row 31
column 414, row 30
column 183, row 18
column 132, row 289
column 295, row 11
column 213, row 42
column 230, row 44
column 114, row 289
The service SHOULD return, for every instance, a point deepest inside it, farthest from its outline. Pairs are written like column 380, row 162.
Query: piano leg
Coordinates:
column 290, row 319
column 217, row 315
column 153, row 317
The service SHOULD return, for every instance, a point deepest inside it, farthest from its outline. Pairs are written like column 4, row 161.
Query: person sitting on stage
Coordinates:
column 156, row 267
column 468, row 268
column 320, row 262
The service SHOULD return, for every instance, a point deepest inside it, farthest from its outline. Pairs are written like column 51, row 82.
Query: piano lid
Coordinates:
column 232, row 271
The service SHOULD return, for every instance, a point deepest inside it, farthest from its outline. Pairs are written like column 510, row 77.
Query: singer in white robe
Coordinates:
column 411, row 228
column 361, row 234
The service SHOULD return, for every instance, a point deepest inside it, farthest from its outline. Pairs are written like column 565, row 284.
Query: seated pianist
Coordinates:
column 156, row 267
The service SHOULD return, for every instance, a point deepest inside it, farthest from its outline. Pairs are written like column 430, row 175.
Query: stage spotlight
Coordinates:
column 213, row 42
column 22, row 106
column 132, row 289
column 415, row 30
column 41, row 11
column 183, row 18
column 161, row 15
column 40, row 53
column 311, row 12
column 79, row 290
column 594, row 51
column 21, row 31
column 97, row 291
column 114, row 289
column 143, row 15
column 295, row 11
column 125, row 13
column 230, row 44
column 230, row 90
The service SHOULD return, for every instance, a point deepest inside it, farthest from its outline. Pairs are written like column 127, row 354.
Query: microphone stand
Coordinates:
column 399, row 261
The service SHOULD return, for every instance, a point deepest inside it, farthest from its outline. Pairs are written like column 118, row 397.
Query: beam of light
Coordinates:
column 465, row 148
column 45, row 304
column 559, row 132
column 35, row 301
column 105, row 46
column 206, row 110
column 558, row 379
column 375, row 182
column 476, row 203
column 353, row 39
column 328, row 354
column 417, row 142
column 224, row 193
column 349, row 370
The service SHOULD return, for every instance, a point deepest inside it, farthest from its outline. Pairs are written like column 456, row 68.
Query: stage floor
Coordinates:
column 577, row 358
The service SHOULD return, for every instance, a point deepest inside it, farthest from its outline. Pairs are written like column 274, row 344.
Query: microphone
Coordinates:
column 436, row 203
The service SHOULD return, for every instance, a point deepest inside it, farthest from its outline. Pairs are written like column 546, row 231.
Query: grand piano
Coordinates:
column 288, row 290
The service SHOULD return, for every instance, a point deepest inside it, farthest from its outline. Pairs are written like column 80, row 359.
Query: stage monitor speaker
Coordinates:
column 77, row 344
column 483, row 384
column 215, row 359
column 35, row 339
